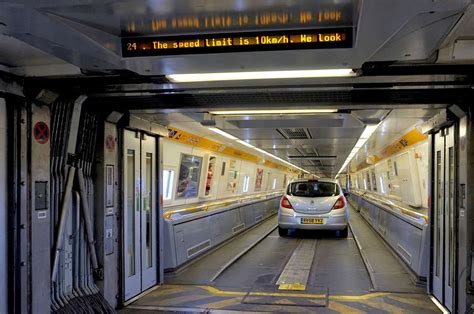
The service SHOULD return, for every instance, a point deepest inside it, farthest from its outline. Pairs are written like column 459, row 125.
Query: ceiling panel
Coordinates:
column 282, row 122
column 303, row 143
column 250, row 134
column 15, row 53
column 315, row 133
column 336, row 132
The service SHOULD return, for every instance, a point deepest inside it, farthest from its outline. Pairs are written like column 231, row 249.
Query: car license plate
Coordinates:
column 312, row 221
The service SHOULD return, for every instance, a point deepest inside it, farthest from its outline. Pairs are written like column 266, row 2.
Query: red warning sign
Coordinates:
column 41, row 132
column 110, row 143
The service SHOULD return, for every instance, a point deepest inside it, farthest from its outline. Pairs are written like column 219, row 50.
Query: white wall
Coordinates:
column 171, row 160
column 3, row 207
column 404, row 176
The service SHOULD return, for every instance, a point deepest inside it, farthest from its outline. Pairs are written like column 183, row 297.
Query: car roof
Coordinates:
column 319, row 179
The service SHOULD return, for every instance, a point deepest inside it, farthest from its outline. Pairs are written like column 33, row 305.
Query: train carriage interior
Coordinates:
column 236, row 156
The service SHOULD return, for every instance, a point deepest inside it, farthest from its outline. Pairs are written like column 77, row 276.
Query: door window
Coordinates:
column 246, row 184
column 168, row 176
column 131, row 211
column 148, row 200
column 451, row 194
column 439, row 206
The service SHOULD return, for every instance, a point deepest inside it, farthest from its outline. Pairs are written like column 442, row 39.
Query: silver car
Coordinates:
column 313, row 204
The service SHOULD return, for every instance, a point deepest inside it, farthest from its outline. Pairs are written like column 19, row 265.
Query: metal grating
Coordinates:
column 198, row 248
column 238, row 228
column 294, row 133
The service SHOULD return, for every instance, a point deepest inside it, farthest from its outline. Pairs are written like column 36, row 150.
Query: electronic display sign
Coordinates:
column 243, row 16
column 325, row 38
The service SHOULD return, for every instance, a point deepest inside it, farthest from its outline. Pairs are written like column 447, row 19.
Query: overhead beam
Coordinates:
column 312, row 157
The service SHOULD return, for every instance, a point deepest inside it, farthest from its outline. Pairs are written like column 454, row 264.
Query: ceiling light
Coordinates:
column 313, row 157
column 219, row 131
column 257, row 75
column 368, row 131
column 245, row 143
column 230, row 136
column 271, row 111
column 360, row 142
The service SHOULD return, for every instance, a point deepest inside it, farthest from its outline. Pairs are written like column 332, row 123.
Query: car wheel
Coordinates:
column 343, row 233
column 282, row 232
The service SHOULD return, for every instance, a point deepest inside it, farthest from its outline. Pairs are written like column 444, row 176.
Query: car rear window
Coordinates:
column 313, row 189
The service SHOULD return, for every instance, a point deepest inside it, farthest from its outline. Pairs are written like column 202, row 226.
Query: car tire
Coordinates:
column 282, row 232
column 343, row 233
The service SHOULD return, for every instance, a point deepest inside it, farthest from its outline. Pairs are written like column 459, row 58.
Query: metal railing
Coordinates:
column 222, row 203
column 392, row 205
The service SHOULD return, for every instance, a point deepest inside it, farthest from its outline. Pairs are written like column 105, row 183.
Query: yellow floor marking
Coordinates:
column 284, row 301
column 182, row 299
column 343, row 308
column 409, row 300
column 234, row 297
column 292, row 286
column 166, row 291
column 223, row 303
column 385, row 306
column 294, row 295
column 298, row 295
column 216, row 291
column 358, row 297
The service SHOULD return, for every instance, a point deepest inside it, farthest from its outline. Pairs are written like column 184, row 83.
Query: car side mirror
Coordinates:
column 346, row 194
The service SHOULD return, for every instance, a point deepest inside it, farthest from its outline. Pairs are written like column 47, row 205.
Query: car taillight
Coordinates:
column 285, row 203
column 340, row 203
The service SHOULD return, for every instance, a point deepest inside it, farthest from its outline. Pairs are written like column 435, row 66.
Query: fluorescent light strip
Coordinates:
column 368, row 131
column 245, row 143
column 219, row 131
column 282, row 111
column 312, row 157
column 257, row 75
column 230, row 136
column 364, row 137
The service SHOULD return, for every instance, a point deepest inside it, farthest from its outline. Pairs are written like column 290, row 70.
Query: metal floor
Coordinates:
column 339, row 280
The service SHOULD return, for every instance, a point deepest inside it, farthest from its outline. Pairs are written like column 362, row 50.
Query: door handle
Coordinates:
column 462, row 195
column 137, row 202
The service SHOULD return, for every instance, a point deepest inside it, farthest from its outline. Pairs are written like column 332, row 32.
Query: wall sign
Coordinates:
column 41, row 132
column 110, row 143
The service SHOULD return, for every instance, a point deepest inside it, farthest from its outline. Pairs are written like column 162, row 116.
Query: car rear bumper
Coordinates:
column 332, row 221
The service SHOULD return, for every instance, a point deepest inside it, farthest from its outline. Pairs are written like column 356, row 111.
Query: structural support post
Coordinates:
column 87, row 219
column 62, row 222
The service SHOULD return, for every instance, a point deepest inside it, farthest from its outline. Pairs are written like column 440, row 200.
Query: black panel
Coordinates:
column 381, row 98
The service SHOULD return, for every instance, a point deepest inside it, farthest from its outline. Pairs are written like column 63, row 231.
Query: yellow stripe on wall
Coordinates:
column 187, row 138
column 411, row 138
